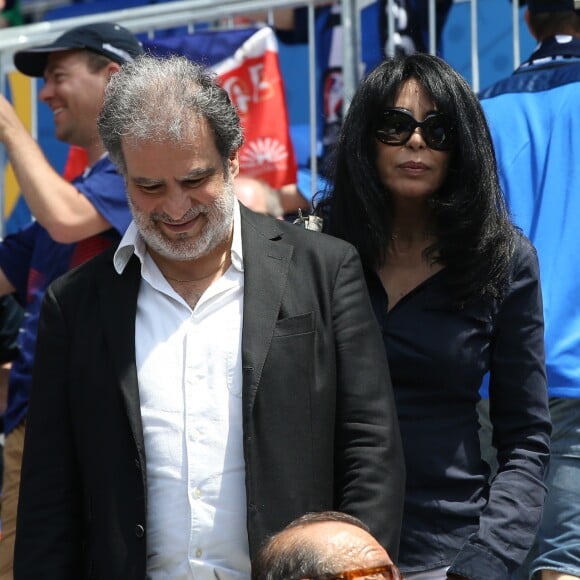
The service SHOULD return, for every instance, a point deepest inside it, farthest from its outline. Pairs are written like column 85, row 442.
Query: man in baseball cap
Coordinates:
column 74, row 220
column 105, row 38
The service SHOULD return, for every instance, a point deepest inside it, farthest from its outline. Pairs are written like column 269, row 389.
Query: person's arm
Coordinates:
column 521, row 430
column 369, row 456
column 11, row 315
column 16, row 255
column 49, row 532
column 59, row 207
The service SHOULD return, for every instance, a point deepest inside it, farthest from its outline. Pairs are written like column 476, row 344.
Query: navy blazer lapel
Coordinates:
column 119, row 294
column 266, row 262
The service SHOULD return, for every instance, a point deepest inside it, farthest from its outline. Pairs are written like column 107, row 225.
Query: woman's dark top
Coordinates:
column 438, row 355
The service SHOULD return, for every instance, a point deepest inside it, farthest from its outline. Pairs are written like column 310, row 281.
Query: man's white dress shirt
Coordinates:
column 190, row 386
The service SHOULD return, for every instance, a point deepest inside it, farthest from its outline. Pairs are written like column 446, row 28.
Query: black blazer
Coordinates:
column 320, row 427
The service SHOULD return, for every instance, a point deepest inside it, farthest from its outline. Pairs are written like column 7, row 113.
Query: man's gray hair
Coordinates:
column 161, row 100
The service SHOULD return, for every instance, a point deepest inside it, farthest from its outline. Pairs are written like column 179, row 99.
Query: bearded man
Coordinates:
column 215, row 376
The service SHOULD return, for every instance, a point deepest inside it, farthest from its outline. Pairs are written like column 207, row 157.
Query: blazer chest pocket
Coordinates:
column 295, row 325
column 291, row 351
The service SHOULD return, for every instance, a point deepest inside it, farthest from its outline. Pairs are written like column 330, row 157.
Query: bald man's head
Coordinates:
column 257, row 195
column 320, row 544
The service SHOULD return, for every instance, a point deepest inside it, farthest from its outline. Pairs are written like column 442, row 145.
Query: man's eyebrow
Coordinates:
column 147, row 181
column 51, row 69
column 193, row 174
column 200, row 172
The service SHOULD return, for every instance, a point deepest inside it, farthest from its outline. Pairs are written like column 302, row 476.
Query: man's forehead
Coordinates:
column 63, row 58
column 353, row 545
column 191, row 131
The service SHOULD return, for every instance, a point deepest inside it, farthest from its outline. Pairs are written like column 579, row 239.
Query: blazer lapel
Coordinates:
column 119, row 293
column 266, row 263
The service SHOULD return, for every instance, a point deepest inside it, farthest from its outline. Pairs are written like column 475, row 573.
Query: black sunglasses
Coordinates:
column 398, row 125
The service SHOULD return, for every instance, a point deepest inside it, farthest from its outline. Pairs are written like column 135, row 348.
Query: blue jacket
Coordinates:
column 534, row 117
column 32, row 260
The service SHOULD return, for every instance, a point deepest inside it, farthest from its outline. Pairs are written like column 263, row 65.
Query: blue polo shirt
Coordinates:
column 534, row 118
column 31, row 260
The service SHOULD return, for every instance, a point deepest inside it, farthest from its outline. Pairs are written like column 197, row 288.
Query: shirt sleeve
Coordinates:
column 105, row 189
column 521, row 429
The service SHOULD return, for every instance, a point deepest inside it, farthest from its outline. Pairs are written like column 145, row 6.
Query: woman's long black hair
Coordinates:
column 474, row 232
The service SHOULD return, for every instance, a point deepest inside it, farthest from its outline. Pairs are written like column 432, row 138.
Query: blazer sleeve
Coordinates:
column 369, row 463
column 49, row 530
column 521, row 429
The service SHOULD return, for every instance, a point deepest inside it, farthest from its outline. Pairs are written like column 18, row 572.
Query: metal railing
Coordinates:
column 155, row 17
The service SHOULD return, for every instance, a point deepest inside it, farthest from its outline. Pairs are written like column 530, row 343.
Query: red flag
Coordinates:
column 253, row 80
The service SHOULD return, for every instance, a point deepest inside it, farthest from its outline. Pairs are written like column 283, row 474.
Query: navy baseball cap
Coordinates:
column 106, row 38
column 553, row 5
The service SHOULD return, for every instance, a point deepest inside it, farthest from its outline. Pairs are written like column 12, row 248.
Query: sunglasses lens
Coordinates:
column 437, row 132
column 396, row 128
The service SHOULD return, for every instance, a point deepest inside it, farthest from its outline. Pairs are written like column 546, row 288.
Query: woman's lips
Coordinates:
column 413, row 166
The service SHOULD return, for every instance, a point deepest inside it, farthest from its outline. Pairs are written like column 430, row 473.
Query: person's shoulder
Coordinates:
column 303, row 239
column 534, row 79
column 524, row 256
column 314, row 238
column 84, row 275
column 103, row 179
column 523, row 247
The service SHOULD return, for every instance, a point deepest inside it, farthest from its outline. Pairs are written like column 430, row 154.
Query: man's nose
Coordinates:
column 46, row 92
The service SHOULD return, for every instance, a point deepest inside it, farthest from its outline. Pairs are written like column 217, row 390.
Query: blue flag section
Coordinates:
column 207, row 47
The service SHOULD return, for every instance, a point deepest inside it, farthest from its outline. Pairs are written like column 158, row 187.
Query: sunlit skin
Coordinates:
column 251, row 194
column 75, row 96
column 412, row 172
column 178, row 193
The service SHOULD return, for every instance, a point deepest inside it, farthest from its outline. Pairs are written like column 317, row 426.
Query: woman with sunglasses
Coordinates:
column 456, row 292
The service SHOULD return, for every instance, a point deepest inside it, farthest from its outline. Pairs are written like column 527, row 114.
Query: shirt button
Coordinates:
column 198, row 553
column 197, row 493
column 139, row 531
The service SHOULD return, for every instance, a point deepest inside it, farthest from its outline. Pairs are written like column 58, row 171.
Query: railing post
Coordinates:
column 474, row 47
column 351, row 50
column 516, row 32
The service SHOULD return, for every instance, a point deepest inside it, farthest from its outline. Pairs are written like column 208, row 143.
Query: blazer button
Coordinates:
column 139, row 531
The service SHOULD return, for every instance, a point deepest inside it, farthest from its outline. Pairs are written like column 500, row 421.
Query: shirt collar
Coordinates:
column 133, row 243
column 558, row 47
column 90, row 168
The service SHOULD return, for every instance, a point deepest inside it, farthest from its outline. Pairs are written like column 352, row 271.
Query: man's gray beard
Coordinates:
column 220, row 217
